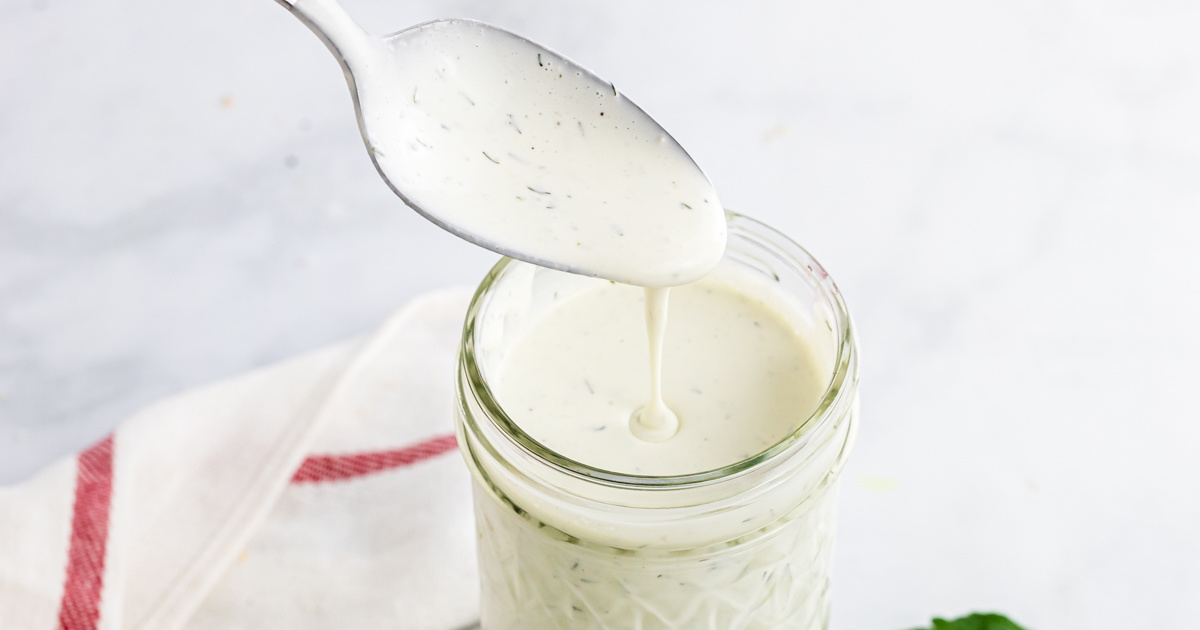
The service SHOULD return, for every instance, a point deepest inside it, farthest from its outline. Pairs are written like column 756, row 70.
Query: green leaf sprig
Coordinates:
column 977, row 621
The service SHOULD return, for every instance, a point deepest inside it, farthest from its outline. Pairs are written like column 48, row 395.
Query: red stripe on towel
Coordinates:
column 318, row 468
column 80, row 607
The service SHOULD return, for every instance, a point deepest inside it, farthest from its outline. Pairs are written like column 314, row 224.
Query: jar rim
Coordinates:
column 838, row 392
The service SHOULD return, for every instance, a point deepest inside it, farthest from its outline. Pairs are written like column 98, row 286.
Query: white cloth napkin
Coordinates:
column 324, row 492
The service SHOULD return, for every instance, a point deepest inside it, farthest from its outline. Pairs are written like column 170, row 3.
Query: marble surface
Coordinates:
column 1007, row 192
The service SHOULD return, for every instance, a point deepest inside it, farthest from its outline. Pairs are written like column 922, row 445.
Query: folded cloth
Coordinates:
column 323, row 492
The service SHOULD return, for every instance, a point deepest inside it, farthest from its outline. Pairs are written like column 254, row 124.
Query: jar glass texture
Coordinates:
column 565, row 545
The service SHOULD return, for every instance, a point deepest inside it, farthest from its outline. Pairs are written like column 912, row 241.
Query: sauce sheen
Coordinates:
column 520, row 150
column 739, row 374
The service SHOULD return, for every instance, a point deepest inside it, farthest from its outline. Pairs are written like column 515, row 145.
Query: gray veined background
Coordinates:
column 1008, row 193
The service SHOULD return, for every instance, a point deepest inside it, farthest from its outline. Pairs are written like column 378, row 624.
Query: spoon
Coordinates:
column 515, row 148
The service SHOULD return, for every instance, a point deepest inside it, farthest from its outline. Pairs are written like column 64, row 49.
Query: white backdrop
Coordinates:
column 1007, row 192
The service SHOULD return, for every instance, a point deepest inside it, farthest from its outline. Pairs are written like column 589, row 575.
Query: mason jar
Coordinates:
column 562, row 544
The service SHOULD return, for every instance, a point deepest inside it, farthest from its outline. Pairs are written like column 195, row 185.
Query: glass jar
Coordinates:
column 564, row 545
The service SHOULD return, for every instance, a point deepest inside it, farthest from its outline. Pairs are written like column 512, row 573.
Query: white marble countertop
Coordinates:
column 1006, row 192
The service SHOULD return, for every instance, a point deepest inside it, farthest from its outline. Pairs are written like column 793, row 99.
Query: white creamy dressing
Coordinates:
column 745, row 362
column 737, row 368
column 655, row 422
column 520, row 150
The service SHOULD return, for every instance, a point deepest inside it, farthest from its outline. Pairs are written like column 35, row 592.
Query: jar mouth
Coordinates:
column 838, row 392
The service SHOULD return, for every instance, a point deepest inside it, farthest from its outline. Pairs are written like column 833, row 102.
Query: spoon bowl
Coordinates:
column 516, row 148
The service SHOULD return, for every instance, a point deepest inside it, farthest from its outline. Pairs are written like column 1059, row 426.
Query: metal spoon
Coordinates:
column 515, row 148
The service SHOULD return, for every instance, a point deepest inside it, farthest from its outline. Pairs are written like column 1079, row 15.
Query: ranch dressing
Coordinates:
column 680, row 534
column 737, row 369
column 516, row 148
column 655, row 422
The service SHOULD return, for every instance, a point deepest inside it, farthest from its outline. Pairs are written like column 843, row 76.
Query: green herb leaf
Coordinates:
column 977, row 621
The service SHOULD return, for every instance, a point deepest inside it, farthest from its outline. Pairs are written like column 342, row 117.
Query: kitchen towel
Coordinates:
column 323, row 492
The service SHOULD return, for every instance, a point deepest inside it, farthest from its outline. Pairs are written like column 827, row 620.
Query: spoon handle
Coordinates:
column 330, row 22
